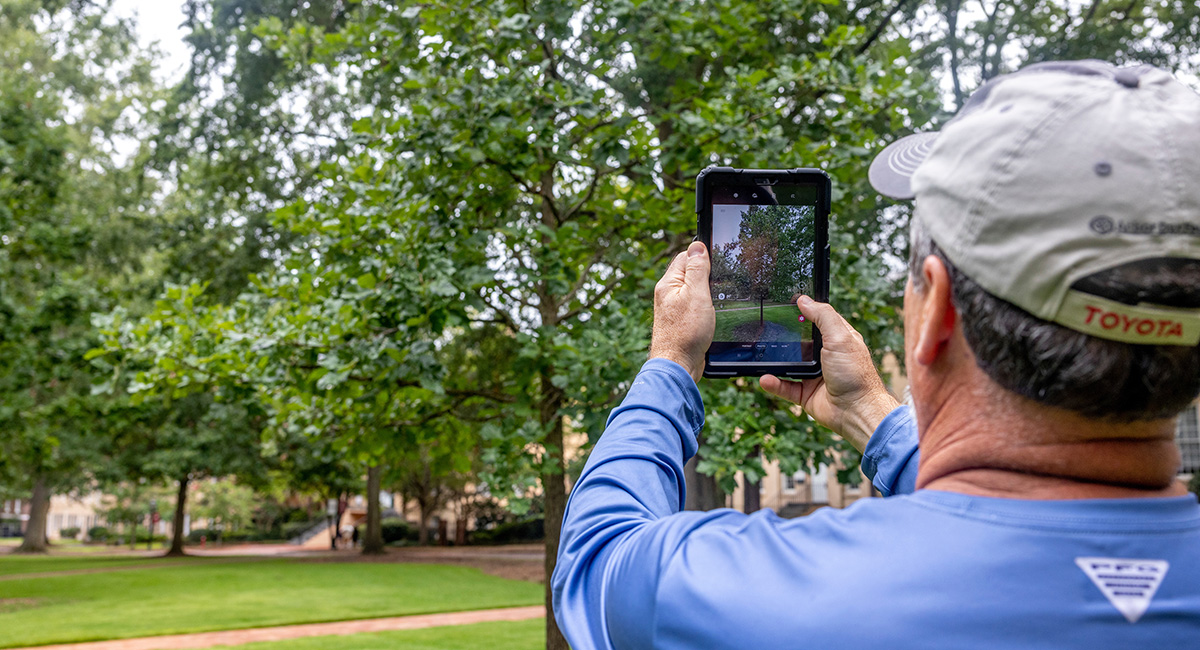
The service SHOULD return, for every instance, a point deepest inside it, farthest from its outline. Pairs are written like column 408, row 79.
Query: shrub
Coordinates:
column 394, row 530
column 98, row 534
column 296, row 528
column 246, row 535
column 194, row 536
column 146, row 538
column 398, row 530
column 69, row 533
column 523, row 530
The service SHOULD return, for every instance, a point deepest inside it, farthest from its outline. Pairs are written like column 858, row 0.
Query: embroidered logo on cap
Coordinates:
column 1142, row 323
column 1127, row 584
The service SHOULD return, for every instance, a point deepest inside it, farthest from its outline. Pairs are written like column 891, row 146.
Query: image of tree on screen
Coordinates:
column 769, row 261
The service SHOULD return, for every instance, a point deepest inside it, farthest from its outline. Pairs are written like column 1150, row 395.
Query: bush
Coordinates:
column 296, row 528
column 98, row 534
column 246, row 535
column 523, row 530
column 213, row 536
column 194, row 536
column 397, row 530
column 69, row 533
column 394, row 530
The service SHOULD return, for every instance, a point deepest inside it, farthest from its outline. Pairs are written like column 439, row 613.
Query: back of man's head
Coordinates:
column 1063, row 201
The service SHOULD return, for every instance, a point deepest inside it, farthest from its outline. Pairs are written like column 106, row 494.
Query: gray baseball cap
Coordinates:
column 1056, row 172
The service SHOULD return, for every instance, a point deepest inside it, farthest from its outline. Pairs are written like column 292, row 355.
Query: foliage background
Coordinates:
column 367, row 244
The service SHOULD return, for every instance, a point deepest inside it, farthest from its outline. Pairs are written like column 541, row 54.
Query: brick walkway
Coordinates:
column 285, row 632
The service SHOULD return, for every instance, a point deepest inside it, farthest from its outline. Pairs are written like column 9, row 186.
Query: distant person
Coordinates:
column 1051, row 323
column 354, row 538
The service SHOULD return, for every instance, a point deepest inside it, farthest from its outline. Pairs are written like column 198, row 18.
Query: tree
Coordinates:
column 236, row 146
column 203, row 435
column 774, row 249
column 72, row 85
column 982, row 40
column 539, row 129
column 226, row 504
column 525, row 167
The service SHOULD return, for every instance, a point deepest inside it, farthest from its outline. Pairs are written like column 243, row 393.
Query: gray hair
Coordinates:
column 1057, row 366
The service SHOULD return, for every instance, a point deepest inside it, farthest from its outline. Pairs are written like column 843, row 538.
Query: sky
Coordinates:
column 727, row 221
column 159, row 20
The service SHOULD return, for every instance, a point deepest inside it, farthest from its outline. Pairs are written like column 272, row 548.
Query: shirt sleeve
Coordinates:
column 616, row 535
column 891, row 457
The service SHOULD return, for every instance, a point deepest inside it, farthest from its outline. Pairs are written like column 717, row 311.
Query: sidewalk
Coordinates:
column 285, row 632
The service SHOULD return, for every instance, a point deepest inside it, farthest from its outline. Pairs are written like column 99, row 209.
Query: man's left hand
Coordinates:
column 684, row 318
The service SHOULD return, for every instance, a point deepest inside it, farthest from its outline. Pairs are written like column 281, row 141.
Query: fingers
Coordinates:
column 677, row 264
column 674, row 275
column 791, row 391
column 697, row 263
column 826, row 318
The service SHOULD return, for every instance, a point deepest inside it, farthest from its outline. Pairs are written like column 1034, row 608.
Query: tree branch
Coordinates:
column 880, row 27
column 588, row 305
column 952, row 43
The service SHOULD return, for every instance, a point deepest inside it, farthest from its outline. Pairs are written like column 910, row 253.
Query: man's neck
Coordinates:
column 989, row 442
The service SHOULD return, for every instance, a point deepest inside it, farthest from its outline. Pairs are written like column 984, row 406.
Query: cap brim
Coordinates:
column 891, row 171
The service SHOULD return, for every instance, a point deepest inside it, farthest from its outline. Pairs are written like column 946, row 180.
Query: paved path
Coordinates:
column 285, row 632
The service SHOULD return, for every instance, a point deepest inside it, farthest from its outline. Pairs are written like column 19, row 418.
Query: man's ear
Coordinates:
column 937, row 317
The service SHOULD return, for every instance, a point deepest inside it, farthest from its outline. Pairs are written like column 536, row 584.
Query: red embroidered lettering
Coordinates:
column 1092, row 311
column 1148, row 329
column 1109, row 321
column 1176, row 330
column 1128, row 321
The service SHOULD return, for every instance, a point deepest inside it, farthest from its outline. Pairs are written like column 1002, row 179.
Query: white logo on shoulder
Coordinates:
column 1128, row 584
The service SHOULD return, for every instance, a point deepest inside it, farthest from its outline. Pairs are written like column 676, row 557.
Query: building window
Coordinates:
column 791, row 481
column 1188, row 437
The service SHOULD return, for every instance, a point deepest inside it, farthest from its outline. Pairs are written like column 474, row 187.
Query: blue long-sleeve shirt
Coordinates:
column 922, row 569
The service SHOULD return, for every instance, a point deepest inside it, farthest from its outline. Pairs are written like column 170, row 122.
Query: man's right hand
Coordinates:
column 849, row 397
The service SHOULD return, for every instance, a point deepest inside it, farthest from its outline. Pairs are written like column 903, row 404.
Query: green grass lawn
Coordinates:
column 74, row 547
column 785, row 315
column 204, row 596
column 504, row 635
column 17, row 564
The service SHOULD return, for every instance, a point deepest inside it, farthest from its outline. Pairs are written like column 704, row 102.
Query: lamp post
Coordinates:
column 331, row 509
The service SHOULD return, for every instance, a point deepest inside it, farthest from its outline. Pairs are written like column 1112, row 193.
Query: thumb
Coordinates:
column 822, row 314
column 697, row 263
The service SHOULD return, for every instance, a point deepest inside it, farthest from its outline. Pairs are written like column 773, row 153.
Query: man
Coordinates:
column 1051, row 321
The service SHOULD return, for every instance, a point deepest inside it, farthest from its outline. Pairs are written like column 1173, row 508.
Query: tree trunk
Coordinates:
column 39, row 509
column 373, row 540
column 952, row 45
column 761, row 315
column 751, row 494
column 555, row 490
column 423, row 526
column 460, row 531
column 133, row 537
column 177, row 524
column 703, row 493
